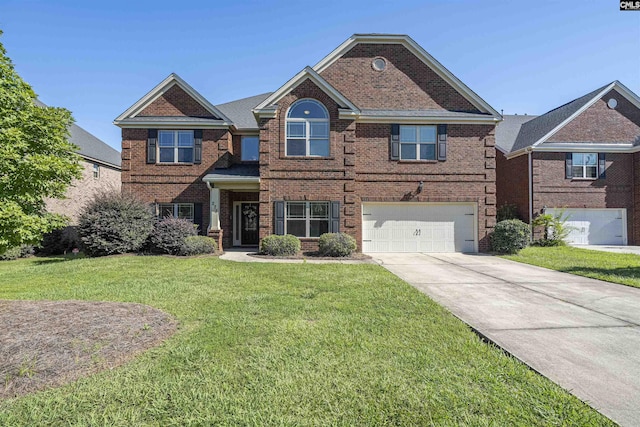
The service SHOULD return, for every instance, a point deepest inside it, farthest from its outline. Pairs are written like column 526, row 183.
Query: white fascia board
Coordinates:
column 165, row 125
column 90, row 159
column 567, row 147
column 214, row 179
column 427, row 120
column 265, row 109
column 164, row 86
column 419, row 52
column 574, row 115
column 627, row 93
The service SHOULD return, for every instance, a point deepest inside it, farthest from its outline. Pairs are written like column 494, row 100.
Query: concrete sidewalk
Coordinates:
column 584, row 334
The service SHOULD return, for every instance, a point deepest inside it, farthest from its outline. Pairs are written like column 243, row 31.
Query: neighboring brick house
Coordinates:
column 100, row 172
column 581, row 159
column 377, row 140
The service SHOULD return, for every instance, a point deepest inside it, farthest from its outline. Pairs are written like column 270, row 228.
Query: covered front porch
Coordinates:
column 234, row 206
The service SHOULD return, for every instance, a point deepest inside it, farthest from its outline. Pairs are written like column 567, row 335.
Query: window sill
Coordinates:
column 584, row 179
column 175, row 164
column 306, row 158
column 416, row 161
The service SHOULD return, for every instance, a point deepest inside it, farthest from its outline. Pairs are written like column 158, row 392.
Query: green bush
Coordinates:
column 507, row 211
column 276, row 245
column 554, row 229
column 336, row 244
column 59, row 241
column 169, row 234
column 198, row 245
column 509, row 236
column 114, row 223
column 16, row 252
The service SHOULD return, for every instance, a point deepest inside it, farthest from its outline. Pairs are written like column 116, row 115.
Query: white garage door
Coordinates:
column 595, row 226
column 419, row 227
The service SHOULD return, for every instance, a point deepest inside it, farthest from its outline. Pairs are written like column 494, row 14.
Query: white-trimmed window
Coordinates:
column 250, row 149
column 306, row 219
column 96, row 171
column 418, row 142
column 175, row 146
column 584, row 165
column 307, row 132
column 176, row 210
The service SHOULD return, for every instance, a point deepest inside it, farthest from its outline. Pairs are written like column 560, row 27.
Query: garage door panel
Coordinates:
column 594, row 226
column 418, row 227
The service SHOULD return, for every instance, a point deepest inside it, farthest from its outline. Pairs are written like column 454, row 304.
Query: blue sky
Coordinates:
column 98, row 58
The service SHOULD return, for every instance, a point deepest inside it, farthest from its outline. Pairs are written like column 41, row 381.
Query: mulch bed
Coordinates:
column 315, row 255
column 49, row 343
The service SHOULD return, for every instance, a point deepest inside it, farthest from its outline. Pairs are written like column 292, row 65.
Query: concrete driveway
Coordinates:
column 583, row 334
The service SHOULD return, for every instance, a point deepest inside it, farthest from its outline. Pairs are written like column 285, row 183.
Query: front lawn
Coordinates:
column 283, row 344
column 608, row 266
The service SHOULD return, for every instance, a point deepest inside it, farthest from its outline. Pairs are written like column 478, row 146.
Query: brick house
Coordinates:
column 377, row 140
column 100, row 172
column 581, row 159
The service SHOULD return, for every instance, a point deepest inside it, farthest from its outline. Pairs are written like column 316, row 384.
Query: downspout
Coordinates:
column 530, row 162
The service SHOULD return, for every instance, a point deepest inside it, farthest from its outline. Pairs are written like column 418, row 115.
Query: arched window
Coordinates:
column 307, row 129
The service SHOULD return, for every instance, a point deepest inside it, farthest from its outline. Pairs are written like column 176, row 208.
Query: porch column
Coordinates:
column 214, row 208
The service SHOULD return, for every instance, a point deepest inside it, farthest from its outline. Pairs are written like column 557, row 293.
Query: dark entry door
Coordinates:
column 249, row 223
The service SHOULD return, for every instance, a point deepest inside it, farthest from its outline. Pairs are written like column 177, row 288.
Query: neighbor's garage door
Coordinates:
column 419, row 227
column 595, row 226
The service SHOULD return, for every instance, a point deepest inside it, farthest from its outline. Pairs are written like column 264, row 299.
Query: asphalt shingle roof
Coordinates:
column 90, row 146
column 235, row 171
column 508, row 129
column 420, row 113
column 239, row 112
column 533, row 130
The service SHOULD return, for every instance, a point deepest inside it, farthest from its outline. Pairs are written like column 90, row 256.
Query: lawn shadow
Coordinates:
column 52, row 259
column 627, row 272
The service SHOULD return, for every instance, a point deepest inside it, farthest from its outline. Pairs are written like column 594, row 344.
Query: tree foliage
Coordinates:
column 36, row 160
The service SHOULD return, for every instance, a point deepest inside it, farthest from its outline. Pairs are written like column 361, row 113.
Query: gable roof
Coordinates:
column 89, row 146
column 172, row 80
column 239, row 111
column 267, row 107
column 419, row 52
column 540, row 129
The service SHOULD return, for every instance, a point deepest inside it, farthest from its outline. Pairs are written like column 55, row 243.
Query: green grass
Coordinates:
column 608, row 266
column 283, row 344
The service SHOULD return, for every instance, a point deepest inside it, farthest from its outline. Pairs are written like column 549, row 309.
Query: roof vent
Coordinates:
column 379, row 64
column 612, row 103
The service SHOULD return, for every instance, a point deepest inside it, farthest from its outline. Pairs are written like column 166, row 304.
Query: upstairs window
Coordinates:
column 307, row 132
column 584, row 165
column 418, row 142
column 249, row 150
column 176, row 210
column 175, row 146
column 96, row 171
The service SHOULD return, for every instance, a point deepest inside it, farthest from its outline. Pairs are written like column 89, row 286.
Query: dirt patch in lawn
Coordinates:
column 50, row 343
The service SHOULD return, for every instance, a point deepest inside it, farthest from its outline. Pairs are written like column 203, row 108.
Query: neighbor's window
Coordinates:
column 584, row 165
column 307, row 131
column 175, row 146
column 306, row 219
column 176, row 210
column 96, row 171
column 249, row 150
column 418, row 142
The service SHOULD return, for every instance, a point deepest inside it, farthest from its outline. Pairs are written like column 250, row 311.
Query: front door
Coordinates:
column 246, row 223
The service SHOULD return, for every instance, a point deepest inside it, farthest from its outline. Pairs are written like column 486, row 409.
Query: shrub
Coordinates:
column 276, row 245
column 114, row 223
column 169, row 234
column 336, row 244
column 59, row 241
column 507, row 211
column 16, row 252
column 554, row 229
column 510, row 236
column 198, row 245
